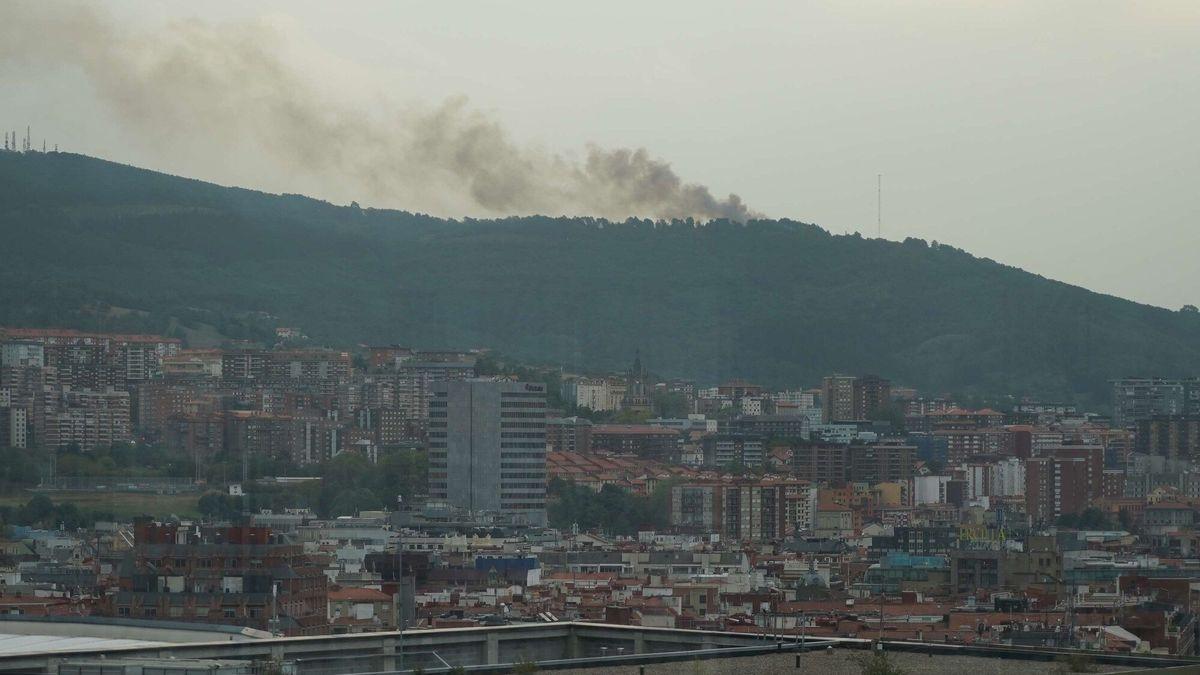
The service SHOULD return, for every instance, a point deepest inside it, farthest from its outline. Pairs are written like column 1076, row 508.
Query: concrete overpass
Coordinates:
column 544, row 643
column 497, row 649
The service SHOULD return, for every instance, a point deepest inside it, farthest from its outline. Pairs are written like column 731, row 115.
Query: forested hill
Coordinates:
column 778, row 302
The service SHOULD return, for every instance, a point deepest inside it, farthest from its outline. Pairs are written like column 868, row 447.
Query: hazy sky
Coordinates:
column 1056, row 136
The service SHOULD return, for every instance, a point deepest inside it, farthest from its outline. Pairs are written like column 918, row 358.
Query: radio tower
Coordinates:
column 878, row 205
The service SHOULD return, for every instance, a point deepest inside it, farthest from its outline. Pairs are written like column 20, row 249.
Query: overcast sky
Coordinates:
column 1060, row 137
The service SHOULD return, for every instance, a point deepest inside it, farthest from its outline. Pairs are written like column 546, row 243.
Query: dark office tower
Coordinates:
column 487, row 447
column 837, row 398
column 871, row 393
column 845, row 398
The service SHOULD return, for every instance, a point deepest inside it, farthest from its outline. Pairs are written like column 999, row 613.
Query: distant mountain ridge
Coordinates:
column 776, row 301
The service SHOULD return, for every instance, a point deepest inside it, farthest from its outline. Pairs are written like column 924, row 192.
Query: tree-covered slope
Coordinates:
column 779, row 302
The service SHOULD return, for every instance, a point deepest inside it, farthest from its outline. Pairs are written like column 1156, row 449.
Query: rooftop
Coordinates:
column 842, row 662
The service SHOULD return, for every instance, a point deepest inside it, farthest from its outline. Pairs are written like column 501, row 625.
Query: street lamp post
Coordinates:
column 1070, row 607
column 399, row 578
column 881, row 616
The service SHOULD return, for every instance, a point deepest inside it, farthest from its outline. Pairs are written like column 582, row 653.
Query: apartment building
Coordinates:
column 487, row 447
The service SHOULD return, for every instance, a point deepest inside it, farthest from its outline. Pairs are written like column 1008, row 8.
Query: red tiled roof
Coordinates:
column 1170, row 505
column 632, row 429
column 72, row 333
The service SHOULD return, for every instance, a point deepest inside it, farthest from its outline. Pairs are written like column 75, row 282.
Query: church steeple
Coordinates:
column 637, row 394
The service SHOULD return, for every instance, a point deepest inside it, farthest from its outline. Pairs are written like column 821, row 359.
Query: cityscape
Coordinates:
column 621, row 338
column 847, row 507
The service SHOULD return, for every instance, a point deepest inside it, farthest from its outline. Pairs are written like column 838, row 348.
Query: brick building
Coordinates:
column 758, row 511
column 569, row 434
column 1170, row 436
column 1055, row 486
column 635, row 439
column 241, row 576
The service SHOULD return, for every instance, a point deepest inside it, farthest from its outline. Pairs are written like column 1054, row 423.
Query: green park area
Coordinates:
column 120, row 505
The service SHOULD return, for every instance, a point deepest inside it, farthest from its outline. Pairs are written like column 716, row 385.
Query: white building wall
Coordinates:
column 1008, row 478
column 752, row 406
column 590, row 393
column 929, row 489
column 978, row 481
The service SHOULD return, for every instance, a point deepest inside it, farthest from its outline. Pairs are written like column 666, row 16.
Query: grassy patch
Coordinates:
column 122, row 505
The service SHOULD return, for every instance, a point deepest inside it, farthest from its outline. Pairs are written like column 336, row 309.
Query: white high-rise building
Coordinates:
column 594, row 393
column 487, row 447
column 929, row 489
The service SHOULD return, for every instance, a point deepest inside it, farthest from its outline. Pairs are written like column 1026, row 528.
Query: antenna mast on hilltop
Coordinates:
column 878, row 205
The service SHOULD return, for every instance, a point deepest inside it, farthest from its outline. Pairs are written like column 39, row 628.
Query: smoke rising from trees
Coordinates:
column 229, row 88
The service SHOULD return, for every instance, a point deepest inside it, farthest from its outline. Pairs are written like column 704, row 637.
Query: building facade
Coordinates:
column 487, row 447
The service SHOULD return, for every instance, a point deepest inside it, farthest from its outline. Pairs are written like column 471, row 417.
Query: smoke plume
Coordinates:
column 228, row 92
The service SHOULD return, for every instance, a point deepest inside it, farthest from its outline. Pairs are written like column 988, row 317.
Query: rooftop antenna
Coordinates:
column 878, row 205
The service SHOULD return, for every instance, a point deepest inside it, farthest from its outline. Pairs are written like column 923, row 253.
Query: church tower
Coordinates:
column 637, row 393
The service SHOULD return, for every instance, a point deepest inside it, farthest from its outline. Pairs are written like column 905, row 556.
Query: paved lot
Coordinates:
column 843, row 662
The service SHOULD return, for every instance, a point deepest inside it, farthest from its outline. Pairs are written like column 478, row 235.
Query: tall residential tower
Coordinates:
column 487, row 447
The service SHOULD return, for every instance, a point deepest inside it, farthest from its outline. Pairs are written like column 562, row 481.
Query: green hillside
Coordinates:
column 779, row 302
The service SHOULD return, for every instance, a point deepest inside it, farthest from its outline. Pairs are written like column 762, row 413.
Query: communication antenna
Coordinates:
column 878, row 205
column 27, row 146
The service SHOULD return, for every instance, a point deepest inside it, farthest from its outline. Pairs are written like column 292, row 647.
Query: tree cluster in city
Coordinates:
column 612, row 509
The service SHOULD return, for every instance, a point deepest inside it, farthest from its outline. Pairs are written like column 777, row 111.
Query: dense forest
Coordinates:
column 93, row 244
